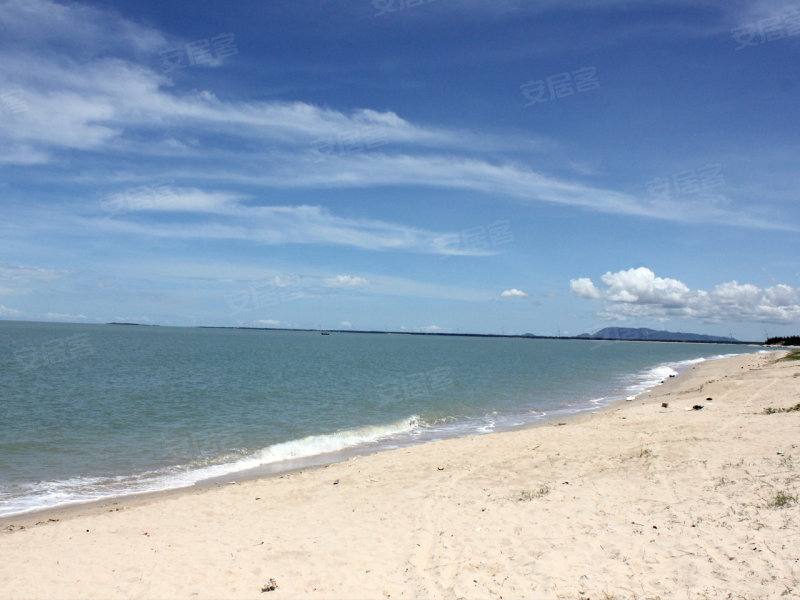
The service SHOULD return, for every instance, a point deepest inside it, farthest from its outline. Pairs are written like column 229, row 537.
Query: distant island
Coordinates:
column 643, row 334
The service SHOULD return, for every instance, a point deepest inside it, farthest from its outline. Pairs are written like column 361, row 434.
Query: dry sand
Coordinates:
column 635, row 501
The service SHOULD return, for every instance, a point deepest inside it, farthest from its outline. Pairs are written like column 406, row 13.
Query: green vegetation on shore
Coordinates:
column 783, row 499
column 793, row 355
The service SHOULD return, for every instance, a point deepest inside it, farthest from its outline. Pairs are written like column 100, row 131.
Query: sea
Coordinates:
column 91, row 412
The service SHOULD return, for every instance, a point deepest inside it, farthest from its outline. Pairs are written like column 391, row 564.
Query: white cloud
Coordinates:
column 346, row 324
column 168, row 198
column 512, row 181
column 53, row 316
column 430, row 329
column 514, row 293
column 345, row 281
column 9, row 312
column 74, row 26
column 584, row 288
column 101, row 103
column 736, row 11
column 221, row 217
column 20, row 279
column 641, row 286
column 88, row 101
column 268, row 322
column 638, row 293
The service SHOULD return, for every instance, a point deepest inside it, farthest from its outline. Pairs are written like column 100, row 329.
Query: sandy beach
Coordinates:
column 633, row 501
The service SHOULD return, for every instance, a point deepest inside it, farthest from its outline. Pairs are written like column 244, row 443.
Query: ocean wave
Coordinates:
column 315, row 445
column 646, row 380
column 22, row 498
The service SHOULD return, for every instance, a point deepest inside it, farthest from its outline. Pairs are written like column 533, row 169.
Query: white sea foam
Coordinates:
column 49, row 494
column 323, row 444
column 647, row 380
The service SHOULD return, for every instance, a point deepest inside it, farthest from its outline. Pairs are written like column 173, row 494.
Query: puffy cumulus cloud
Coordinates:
column 643, row 287
column 514, row 293
column 639, row 293
column 584, row 288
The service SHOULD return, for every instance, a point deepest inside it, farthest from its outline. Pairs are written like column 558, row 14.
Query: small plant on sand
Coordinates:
column 771, row 410
column 793, row 355
column 528, row 495
column 645, row 453
column 783, row 499
column 722, row 481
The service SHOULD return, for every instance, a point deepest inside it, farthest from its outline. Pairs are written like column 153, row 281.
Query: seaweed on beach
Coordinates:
column 783, row 499
column 771, row 411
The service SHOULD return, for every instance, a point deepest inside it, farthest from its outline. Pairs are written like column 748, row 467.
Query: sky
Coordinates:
column 487, row 166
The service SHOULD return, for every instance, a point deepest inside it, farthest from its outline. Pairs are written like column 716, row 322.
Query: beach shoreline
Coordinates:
column 629, row 499
column 33, row 516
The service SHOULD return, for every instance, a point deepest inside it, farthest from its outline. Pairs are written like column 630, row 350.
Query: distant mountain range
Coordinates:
column 652, row 335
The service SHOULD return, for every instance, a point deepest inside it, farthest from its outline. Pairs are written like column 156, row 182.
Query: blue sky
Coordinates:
column 440, row 165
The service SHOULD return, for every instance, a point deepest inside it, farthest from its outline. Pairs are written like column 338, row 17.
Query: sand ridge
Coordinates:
column 634, row 501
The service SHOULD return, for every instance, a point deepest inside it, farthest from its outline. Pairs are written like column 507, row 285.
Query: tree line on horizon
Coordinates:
column 787, row 340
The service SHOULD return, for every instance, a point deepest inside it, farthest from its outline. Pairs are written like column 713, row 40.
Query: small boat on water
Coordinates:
column 324, row 332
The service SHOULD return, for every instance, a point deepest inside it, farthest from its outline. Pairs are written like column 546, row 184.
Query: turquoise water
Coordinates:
column 89, row 411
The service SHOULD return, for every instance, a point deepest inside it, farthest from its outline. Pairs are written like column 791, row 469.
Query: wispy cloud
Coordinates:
column 732, row 11
column 221, row 215
column 513, row 181
column 9, row 312
column 74, row 26
column 168, row 198
column 346, row 281
column 88, row 101
column 19, row 279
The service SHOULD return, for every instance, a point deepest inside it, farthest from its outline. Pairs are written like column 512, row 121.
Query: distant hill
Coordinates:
column 652, row 335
